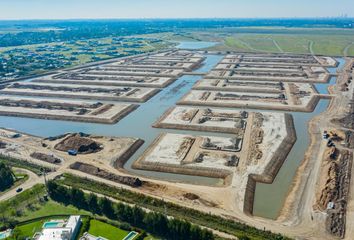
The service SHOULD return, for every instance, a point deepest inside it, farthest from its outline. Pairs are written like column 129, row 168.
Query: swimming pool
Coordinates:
column 5, row 234
column 51, row 224
column 130, row 236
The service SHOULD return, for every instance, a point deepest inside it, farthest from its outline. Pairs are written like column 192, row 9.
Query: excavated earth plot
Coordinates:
column 156, row 70
column 208, row 119
column 210, row 155
column 108, row 93
column 239, row 85
column 292, row 97
column 133, row 81
column 272, row 67
column 105, row 151
column 201, row 155
column 280, row 59
column 95, row 112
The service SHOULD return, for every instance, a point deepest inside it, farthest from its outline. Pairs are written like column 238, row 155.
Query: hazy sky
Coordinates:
column 64, row 9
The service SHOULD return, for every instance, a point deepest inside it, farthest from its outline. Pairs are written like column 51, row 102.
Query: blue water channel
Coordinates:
column 196, row 45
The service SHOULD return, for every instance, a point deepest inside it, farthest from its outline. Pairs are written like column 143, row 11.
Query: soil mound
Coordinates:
column 45, row 157
column 92, row 170
column 79, row 142
column 2, row 145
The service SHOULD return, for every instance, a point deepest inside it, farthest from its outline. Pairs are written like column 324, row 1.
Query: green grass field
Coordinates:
column 332, row 42
column 324, row 45
column 98, row 228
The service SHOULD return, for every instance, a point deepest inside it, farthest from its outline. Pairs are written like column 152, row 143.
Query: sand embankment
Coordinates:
column 272, row 168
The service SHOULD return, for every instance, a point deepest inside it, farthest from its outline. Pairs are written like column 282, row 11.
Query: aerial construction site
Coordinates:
column 220, row 132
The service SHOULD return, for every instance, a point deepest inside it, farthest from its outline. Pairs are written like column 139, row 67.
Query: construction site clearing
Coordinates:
column 96, row 150
column 245, row 148
column 214, row 156
column 272, row 68
column 239, row 85
column 58, row 109
column 131, row 81
column 290, row 97
column 120, row 73
column 209, row 120
column 280, row 59
column 108, row 93
column 148, row 70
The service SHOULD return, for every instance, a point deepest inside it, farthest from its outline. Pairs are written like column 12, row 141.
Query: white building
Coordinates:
column 88, row 236
column 58, row 230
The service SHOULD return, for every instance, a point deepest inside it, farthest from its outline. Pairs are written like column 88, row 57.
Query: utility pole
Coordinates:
column 44, row 175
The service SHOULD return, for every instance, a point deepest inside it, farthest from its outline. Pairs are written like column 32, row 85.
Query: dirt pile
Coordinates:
column 191, row 196
column 330, row 190
column 349, row 139
column 2, row 145
column 348, row 120
column 79, row 142
column 334, row 194
column 256, row 137
column 46, row 157
column 92, row 170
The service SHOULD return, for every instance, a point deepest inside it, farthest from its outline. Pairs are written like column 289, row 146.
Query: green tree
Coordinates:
column 7, row 178
column 92, row 203
column 106, row 207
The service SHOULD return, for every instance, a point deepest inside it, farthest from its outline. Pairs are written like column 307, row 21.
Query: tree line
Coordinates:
column 212, row 221
column 153, row 222
column 7, row 177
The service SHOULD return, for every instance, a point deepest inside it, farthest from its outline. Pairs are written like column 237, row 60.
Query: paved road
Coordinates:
column 30, row 182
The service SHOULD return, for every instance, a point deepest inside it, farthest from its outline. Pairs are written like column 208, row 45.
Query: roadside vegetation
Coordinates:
column 7, row 177
column 26, row 212
column 159, row 206
column 29, row 204
column 154, row 222
column 13, row 162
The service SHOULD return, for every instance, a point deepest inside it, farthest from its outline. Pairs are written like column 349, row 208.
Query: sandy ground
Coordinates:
column 261, row 100
column 113, row 148
column 92, row 92
column 106, row 113
column 210, row 119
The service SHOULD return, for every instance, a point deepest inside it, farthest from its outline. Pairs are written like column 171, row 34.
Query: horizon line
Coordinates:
column 180, row 18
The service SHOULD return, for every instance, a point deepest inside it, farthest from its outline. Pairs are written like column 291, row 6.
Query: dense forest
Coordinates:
column 16, row 33
column 153, row 222
column 7, row 178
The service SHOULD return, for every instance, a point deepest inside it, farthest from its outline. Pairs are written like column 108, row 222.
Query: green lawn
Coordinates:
column 28, row 230
column 98, row 228
column 51, row 208
column 27, row 205
column 151, row 238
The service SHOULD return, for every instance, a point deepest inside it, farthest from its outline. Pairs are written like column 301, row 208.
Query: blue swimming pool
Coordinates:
column 50, row 224
column 5, row 234
column 131, row 236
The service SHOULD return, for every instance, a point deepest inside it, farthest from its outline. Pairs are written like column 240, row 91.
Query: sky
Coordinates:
column 76, row 9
